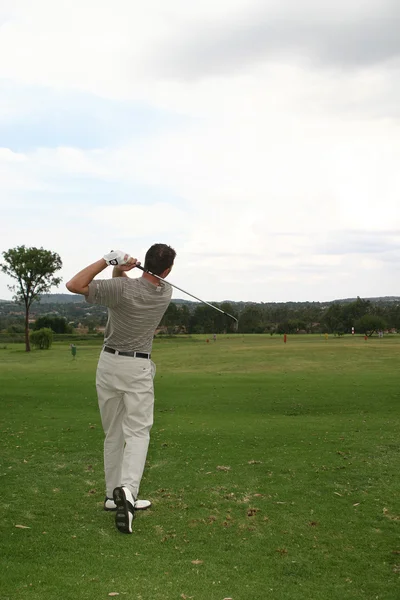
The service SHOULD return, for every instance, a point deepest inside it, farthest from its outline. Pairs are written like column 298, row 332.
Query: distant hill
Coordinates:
column 77, row 298
column 376, row 300
column 178, row 301
column 61, row 298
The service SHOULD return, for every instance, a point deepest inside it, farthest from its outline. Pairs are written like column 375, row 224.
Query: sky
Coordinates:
column 260, row 139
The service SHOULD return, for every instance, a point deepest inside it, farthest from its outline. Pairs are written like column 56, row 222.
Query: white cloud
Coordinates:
column 132, row 220
column 8, row 156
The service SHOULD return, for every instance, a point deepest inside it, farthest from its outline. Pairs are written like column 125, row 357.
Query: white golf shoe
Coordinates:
column 142, row 504
column 109, row 504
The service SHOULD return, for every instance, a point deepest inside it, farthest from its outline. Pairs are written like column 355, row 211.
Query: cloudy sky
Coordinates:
column 261, row 139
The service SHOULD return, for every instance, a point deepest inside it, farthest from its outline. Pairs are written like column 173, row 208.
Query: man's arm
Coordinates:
column 79, row 284
column 118, row 273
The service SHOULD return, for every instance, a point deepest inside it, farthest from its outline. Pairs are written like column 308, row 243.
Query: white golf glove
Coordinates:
column 116, row 258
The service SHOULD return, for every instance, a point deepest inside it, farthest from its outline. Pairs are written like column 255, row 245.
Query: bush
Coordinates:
column 42, row 338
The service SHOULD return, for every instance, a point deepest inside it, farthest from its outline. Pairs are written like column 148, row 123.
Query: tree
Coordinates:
column 33, row 269
column 394, row 317
column 171, row 318
column 333, row 318
column 230, row 324
column 91, row 324
column 251, row 320
column 311, row 313
column 184, row 317
column 354, row 311
column 203, row 320
column 15, row 328
column 291, row 326
column 369, row 324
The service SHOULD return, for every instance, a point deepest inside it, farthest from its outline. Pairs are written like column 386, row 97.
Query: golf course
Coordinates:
column 273, row 472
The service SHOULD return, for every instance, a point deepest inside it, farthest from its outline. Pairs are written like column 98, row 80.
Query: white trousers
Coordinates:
column 126, row 400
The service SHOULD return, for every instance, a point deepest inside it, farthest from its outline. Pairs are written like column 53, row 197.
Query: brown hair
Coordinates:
column 159, row 258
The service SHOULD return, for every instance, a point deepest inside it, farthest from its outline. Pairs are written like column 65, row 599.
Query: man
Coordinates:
column 125, row 371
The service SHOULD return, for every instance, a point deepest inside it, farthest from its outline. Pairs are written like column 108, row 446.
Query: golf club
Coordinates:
column 191, row 295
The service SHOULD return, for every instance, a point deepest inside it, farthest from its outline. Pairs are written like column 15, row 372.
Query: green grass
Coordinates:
column 276, row 466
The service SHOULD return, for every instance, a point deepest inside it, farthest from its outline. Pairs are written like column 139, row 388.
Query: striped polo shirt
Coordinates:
column 135, row 309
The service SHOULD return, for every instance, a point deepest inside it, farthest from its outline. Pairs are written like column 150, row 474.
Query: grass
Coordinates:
column 273, row 471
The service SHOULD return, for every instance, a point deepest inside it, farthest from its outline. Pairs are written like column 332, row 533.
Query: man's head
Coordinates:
column 159, row 259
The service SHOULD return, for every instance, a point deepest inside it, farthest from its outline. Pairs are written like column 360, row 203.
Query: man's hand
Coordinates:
column 131, row 263
column 121, row 260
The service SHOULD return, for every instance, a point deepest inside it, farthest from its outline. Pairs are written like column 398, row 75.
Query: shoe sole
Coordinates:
column 125, row 512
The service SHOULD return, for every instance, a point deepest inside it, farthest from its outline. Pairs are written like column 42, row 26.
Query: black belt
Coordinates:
column 131, row 354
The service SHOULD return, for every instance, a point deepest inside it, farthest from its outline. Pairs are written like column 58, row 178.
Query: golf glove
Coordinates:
column 116, row 258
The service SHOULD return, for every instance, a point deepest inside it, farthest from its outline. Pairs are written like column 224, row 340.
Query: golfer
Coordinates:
column 125, row 371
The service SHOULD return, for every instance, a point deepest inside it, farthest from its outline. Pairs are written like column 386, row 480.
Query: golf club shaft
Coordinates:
column 191, row 295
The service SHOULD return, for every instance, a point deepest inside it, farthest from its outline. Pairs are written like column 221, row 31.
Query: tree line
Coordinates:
column 365, row 316
column 34, row 271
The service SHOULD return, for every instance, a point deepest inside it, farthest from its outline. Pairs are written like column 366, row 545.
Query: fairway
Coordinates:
column 273, row 471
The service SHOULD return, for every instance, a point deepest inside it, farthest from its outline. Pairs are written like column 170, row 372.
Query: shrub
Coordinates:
column 42, row 338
